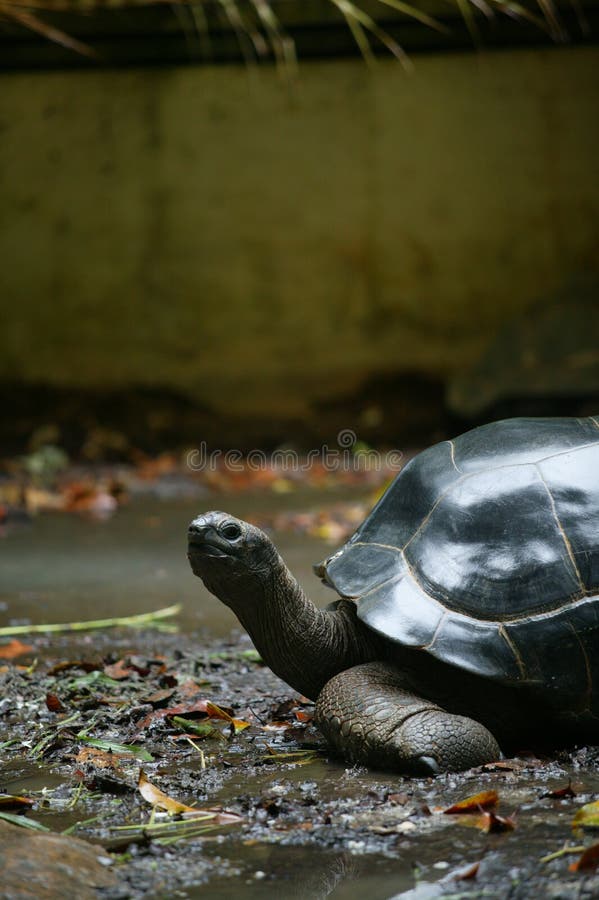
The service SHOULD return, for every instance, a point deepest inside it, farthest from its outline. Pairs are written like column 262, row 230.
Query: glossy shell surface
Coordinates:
column 484, row 552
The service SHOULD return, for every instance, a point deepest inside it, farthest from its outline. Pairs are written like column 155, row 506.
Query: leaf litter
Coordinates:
column 46, row 480
column 268, row 782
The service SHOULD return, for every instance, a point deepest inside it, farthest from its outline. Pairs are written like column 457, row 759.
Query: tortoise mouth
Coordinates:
column 203, row 550
column 202, row 546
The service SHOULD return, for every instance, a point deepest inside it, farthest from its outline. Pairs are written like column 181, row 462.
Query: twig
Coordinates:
column 563, row 852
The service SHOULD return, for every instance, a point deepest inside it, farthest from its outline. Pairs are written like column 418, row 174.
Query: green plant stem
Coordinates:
column 128, row 621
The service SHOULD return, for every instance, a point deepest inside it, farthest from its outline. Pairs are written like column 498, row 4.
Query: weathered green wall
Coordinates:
column 204, row 230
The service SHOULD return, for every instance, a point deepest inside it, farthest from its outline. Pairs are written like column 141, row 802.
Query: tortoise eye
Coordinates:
column 231, row 531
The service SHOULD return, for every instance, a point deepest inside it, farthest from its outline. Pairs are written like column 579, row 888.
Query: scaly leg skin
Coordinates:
column 367, row 714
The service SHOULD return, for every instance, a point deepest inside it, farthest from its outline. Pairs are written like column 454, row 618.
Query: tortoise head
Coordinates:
column 233, row 558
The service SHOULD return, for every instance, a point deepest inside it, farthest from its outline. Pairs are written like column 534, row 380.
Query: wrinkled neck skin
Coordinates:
column 303, row 645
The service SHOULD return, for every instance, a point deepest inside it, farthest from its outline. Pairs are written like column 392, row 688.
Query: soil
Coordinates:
column 285, row 819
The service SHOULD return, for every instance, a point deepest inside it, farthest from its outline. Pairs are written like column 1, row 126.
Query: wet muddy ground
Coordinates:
column 286, row 819
column 81, row 716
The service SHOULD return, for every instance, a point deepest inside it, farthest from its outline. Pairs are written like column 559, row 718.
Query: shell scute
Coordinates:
column 362, row 567
column 480, row 647
column 519, row 441
column 573, row 481
column 419, row 615
column 398, row 514
column 493, row 548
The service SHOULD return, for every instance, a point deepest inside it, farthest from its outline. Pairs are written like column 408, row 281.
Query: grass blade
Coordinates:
column 133, row 750
column 360, row 23
column 467, row 12
column 29, row 20
column 145, row 619
column 517, row 11
column 247, row 37
column 23, row 822
column 552, row 18
column 415, row 13
column 283, row 46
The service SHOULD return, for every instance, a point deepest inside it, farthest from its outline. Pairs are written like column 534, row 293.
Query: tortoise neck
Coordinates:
column 303, row 645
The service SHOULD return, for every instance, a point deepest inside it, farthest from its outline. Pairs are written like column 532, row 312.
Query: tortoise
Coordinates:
column 468, row 610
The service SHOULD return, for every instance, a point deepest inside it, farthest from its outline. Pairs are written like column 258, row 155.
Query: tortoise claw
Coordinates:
column 426, row 765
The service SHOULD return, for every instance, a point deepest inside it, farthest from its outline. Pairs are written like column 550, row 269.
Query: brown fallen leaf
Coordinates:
column 150, row 469
column 489, row 822
column 588, row 860
column 217, row 712
column 501, row 765
column 159, row 698
column 54, row 704
column 468, row 873
column 102, row 759
column 119, row 670
column 37, row 499
column 158, row 798
column 14, row 648
column 498, row 824
column 473, row 804
column 561, row 793
column 13, row 801
column 84, row 665
column 215, row 814
column 89, row 498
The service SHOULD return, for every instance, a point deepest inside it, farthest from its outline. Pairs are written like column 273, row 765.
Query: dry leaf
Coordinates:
column 468, row 873
column 157, row 798
column 12, row 801
column 216, row 712
column 498, row 824
column 102, row 759
column 474, row 804
column 54, row 704
column 588, row 860
column 13, row 649
column 562, row 793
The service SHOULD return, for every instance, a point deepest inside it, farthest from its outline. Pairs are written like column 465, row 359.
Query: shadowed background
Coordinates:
column 223, row 252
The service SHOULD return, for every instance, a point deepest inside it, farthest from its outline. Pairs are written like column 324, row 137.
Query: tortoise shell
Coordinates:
column 484, row 552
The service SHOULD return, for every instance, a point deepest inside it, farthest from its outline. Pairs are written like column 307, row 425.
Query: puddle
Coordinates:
column 300, row 873
column 21, row 776
column 65, row 567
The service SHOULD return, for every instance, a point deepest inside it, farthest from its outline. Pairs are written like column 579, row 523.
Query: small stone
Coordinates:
column 355, row 846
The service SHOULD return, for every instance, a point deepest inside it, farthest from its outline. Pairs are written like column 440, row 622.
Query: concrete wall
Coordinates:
column 206, row 230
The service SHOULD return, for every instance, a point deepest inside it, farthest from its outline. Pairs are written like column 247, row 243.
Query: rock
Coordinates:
column 43, row 866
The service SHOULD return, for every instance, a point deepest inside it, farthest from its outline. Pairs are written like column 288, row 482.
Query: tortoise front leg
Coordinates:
column 369, row 715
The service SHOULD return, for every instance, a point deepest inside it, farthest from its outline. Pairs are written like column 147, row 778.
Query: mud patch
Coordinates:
column 78, row 726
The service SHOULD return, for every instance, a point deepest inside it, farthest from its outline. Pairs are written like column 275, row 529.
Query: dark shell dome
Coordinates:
column 484, row 552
